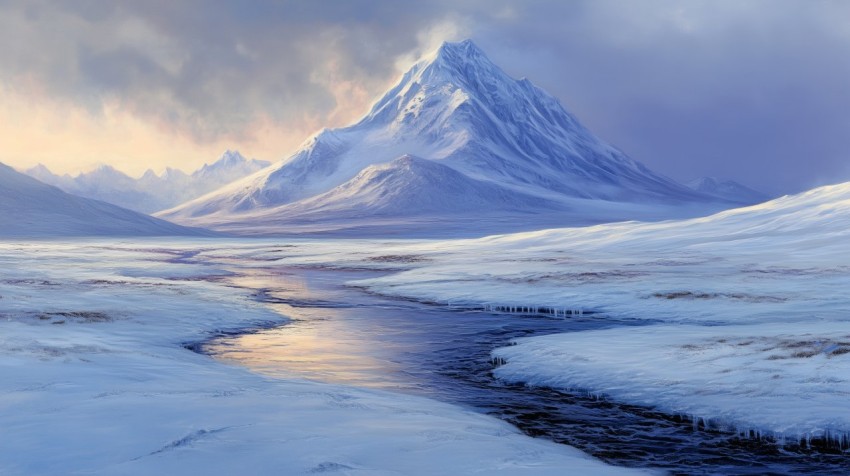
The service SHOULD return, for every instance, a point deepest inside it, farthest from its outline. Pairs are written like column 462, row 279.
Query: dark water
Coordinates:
column 343, row 335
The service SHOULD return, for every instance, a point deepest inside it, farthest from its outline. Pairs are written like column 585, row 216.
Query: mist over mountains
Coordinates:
column 151, row 192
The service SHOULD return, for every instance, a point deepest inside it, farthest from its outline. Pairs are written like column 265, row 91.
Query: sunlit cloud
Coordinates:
column 69, row 138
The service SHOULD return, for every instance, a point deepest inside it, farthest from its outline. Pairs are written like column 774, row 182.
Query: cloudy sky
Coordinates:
column 757, row 91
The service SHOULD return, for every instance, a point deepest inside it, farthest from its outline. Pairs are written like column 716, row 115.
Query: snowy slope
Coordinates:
column 766, row 256
column 419, row 188
column 748, row 310
column 29, row 208
column 151, row 192
column 112, row 391
column 459, row 109
column 728, row 190
column 418, row 185
column 744, row 316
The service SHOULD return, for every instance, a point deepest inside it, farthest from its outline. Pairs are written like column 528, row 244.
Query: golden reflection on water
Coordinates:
column 319, row 343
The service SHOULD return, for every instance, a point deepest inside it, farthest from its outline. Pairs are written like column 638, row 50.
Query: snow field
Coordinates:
column 774, row 274
column 96, row 381
column 786, row 382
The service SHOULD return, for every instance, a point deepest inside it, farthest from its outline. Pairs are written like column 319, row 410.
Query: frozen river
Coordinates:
column 343, row 335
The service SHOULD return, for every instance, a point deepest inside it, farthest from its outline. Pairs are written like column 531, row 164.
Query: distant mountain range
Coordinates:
column 151, row 192
column 456, row 140
column 728, row 190
column 32, row 209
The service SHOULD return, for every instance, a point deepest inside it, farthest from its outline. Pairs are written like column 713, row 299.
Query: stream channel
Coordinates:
column 343, row 335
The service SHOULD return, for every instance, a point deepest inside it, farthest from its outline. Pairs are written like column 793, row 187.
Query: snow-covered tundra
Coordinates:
column 747, row 311
column 96, row 380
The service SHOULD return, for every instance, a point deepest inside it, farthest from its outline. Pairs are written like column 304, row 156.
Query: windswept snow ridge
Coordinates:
column 457, row 111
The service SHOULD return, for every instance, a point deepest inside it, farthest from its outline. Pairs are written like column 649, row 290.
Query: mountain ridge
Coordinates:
column 151, row 192
column 32, row 209
column 457, row 108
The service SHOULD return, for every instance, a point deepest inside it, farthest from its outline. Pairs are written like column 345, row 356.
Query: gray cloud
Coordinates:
column 208, row 67
column 751, row 90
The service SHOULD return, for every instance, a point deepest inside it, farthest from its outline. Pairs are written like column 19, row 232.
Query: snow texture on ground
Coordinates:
column 748, row 310
column 96, row 381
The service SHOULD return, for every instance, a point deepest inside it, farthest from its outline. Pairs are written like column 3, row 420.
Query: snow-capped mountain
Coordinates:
column 41, row 173
column 461, row 112
column 29, row 208
column 151, row 192
column 229, row 166
column 728, row 190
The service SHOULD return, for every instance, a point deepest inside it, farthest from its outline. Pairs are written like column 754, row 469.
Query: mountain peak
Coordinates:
column 461, row 60
column 171, row 173
column 230, row 156
column 102, row 171
column 441, row 82
column 39, row 169
column 229, row 165
column 104, row 168
column 229, row 159
column 459, row 50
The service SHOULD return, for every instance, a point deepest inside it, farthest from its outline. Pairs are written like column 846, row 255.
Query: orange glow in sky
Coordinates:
column 68, row 138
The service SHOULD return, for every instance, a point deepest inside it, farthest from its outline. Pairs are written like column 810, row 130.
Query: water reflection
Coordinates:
column 325, row 340
column 340, row 335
